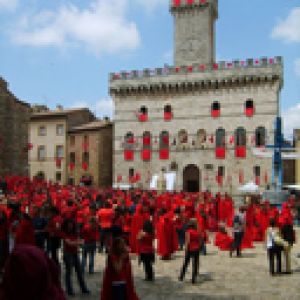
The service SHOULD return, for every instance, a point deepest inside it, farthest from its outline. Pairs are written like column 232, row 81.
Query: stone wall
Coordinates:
column 14, row 117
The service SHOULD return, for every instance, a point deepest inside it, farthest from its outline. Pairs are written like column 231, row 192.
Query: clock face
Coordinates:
column 191, row 49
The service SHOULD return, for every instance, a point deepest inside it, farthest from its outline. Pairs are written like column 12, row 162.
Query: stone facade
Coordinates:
column 14, row 117
column 91, row 143
column 48, row 137
column 191, row 92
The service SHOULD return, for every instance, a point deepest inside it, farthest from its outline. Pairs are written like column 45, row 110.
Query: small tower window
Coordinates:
column 143, row 114
column 249, row 108
column 168, row 115
column 215, row 109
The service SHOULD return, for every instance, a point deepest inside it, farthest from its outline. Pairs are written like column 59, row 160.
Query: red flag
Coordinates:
column 85, row 166
column 241, row 177
column 119, row 178
column 58, row 162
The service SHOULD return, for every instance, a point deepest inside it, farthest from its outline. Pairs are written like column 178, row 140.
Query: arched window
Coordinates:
column 143, row 114
column 220, row 143
column 164, row 142
column 215, row 109
column 183, row 137
column 146, row 151
column 240, row 137
column 129, row 146
column 168, row 114
column 201, row 137
column 249, row 108
column 260, row 136
column 220, row 138
column 240, row 142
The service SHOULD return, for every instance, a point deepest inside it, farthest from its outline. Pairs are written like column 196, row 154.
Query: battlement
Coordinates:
column 197, row 68
column 3, row 84
column 183, row 5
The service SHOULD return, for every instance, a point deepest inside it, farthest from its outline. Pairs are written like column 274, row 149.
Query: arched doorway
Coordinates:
column 191, row 179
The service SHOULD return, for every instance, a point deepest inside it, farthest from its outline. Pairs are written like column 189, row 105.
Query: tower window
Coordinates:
column 215, row 109
column 143, row 114
column 260, row 137
column 168, row 115
column 249, row 108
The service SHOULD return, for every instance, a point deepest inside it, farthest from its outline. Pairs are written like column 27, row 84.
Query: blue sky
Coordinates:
column 61, row 51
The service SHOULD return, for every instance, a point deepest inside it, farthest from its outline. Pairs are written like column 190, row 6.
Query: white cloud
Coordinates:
column 297, row 66
column 102, row 108
column 289, row 29
column 8, row 5
column 105, row 108
column 151, row 5
column 102, row 27
column 291, row 120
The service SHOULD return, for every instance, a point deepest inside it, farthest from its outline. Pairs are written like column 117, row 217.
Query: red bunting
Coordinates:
column 71, row 166
column 240, row 152
column 202, row 67
column 215, row 113
column 176, row 2
column 249, row 112
column 164, row 154
column 85, row 166
column 147, row 140
column 119, row 178
column 257, row 180
column 128, row 155
column 231, row 140
column 220, row 152
column 165, row 139
column 85, row 146
column 58, row 162
column 241, row 177
column 168, row 116
column 211, row 139
column 146, row 155
column 219, row 180
column 143, row 117
column 266, row 178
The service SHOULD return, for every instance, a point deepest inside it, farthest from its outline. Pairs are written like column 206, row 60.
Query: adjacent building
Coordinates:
column 48, row 140
column 199, row 118
column 14, row 118
column 89, row 157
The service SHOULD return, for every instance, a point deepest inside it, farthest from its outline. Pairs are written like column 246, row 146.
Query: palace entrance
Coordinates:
column 191, row 179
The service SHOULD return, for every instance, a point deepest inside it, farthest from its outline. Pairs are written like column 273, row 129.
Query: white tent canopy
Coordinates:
column 249, row 187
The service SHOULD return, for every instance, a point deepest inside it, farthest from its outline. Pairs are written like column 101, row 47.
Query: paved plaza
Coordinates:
column 221, row 278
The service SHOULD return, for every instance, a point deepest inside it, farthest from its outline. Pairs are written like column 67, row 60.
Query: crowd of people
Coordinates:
column 39, row 219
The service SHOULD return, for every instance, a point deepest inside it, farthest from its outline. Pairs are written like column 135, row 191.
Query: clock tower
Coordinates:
column 194, row 31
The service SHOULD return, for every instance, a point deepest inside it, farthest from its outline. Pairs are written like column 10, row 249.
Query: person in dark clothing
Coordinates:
column 147, row 256
column 71, row 258
column 40, row 224
column 238, row 232
column 288, row 234
column 193, row 243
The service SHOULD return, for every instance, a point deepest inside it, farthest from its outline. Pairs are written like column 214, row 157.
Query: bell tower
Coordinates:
column 194, row 35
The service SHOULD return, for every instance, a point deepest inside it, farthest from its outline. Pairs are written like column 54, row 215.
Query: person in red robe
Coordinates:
column 117, row 279
column 30, row 275
column 25, row 232
column 222, row 239
column 167, row 241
